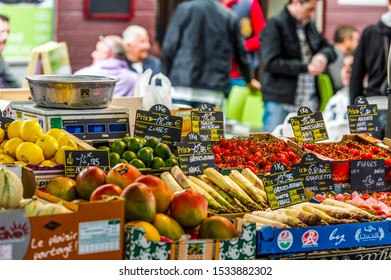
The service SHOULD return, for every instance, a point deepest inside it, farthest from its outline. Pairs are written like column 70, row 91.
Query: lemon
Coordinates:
column 11, row 146
column 30, row 130
column 22, row 163
column 1, row 152
column 3, row 144
column 48, row 144
column 6, row 159
column 13, row 129
column 56, row 132
column 2, row 133
column 66, row 141
column 30, row 153
column 47, row 162
column 59, row 156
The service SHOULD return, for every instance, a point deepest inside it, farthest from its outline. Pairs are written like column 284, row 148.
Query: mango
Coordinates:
column 217, row 227
column 140, row 203
column 168, row 226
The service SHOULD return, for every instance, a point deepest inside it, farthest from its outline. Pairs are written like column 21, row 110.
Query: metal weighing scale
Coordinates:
column 89, row 125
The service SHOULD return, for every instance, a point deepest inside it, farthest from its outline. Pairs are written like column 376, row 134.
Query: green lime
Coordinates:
column 157, row 163
column 129, row 155
column 152, row 142
column 146, row 155
column 104, row 148
column 123, row 160
column 135, row 144
column 126, row 139
column 114, row 158
column 150, row 149
column 118, row 146
column 163, row 150
column 142, row 139
column 171, row 162
column 137, row 163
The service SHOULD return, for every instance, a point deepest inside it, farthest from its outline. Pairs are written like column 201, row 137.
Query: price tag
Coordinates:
column 308, row 126
column 367, row 175
column 195, row 155
column 364, row 118
column 283, row 187
column 316, row 174
column 158, row 122
column 77, row 160
column 207, row 123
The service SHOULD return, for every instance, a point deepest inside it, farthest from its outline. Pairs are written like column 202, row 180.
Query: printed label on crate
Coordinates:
column 364, row 118
column 207, row 123
column 195, row 155
column 283, row 187
column 77, row 160
column 308, row 126
column 316, row 173
column 367, row 175
column 158, row 122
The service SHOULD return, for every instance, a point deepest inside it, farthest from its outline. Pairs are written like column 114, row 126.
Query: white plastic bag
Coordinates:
column 152, row 93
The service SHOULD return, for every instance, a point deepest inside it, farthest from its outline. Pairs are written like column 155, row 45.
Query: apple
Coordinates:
column 88, row 180
column 122, row 175
column 105, row 190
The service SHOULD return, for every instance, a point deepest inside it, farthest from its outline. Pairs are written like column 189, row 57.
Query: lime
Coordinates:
column 104, row 148
column 171, row 162
column 142, row 139
column 152, row 142
column 129, row 155
column 163, row 150
column 157, row 163
column 135, row 144
column 123, row 160
column 146, row 155
column 150, row 149
column 114, row 158
column 126, row 139
column 137, row 163
column 118, row 146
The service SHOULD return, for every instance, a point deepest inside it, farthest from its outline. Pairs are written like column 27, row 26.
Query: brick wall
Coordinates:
column 81, row 34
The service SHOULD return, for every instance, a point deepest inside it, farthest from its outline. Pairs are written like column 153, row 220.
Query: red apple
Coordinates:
column 162, row 192
column 122, row 175
column 88, row 180
column 105, row 190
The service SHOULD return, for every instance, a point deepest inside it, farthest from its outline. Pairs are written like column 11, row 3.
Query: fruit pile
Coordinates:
column 350, row 150
column 141, row 152
column 28, row 145
column 257, row 155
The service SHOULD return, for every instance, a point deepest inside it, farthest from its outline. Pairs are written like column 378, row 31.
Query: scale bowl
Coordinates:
column 71, row 91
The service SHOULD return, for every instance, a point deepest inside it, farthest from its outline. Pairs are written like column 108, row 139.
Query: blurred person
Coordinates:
column 7, row 78
column 346, row 39
column 200, row 41
column 293, row 53
column 335, row 113
column 108, row 59
column 252, row 23
column 138, row 47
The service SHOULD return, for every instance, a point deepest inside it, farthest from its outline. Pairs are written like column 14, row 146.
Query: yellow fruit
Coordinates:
column 48, row 163
column 30, row 130
column 11, row 146
column 66, row 141
column 151, row 233
column 2, row 133
column 13, row 129
column 6, row 159
column 1, row 152
column 48, row 144
column 30, row 153
column 3, row 144
column 22, row 163
column 59, row 157
column 56, row 132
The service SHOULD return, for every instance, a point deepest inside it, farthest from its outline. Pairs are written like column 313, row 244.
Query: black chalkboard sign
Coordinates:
column 316, row 174
column 158, row 122
column 364, row 118
column 113, row 9
column 283, row 187
column 195, row 155
column 367, row 175
column 308, row 126
column 207, row 123
column 77, row 160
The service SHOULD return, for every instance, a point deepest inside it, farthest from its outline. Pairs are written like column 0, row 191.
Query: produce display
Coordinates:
column 258, row 155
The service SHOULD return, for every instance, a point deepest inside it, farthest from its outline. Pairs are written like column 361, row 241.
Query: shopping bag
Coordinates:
column 153, row 93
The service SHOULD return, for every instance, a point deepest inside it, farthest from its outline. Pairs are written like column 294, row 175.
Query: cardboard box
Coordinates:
column 275, row 241
column 241, row 248
column 27, row 175
column 94, row 231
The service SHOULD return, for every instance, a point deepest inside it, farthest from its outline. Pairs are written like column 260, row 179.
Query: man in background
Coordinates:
column 138, row 47
column 7, row 79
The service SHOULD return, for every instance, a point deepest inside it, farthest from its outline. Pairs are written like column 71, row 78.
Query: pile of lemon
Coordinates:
column 27, row 144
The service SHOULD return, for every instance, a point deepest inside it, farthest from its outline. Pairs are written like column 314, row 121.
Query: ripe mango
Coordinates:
column 168, row 226
column 217, row 227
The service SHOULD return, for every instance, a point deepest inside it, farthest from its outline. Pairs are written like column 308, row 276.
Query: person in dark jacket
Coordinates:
column 293, row 53
column 200, row 40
